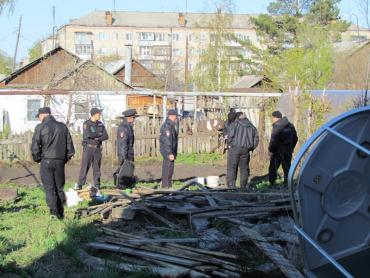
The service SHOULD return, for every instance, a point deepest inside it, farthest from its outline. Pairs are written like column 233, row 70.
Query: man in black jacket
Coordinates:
column 243, row 139
column 168, row 146
column 283, row 141
column 52, row 146
column 125, row 147
column 94, row 133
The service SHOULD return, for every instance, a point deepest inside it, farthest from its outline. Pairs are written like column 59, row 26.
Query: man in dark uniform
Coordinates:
column 168, row 146
column 52, row 146
column 94, row 133
column 283, row 141
column 243, row 139
column 125, row 147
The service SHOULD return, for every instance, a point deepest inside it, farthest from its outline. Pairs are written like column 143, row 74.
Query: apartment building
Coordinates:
column 159, row 40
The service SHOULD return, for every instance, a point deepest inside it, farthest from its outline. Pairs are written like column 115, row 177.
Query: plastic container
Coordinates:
column 213, row 181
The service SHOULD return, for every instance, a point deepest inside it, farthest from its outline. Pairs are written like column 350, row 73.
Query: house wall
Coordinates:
column 16, row 105
column 139, row 76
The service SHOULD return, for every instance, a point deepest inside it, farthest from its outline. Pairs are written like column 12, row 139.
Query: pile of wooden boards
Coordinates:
column 136, row 229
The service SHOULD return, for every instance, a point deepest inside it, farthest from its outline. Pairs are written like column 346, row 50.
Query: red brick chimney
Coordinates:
column 108, row 18
column 182, row 20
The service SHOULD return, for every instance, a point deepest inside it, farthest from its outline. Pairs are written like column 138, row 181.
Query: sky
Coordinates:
column 37, row 20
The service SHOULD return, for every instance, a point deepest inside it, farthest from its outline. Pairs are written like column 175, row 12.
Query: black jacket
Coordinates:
column 94, row 133
column 168, row 139
column 125, row 142
column 52, row 140
column 242, row 133
column 283, row 137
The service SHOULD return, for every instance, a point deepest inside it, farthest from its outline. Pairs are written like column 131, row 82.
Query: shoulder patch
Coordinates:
column 121, row 134
column 168, row 133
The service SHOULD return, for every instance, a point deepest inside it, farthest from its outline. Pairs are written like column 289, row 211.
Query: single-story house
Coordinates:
column 53, row 80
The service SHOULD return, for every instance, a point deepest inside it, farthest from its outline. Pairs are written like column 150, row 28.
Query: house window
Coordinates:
column 33, row 106
column 175, row 36
column 128, row 36
column 81, row 110
column 145, row 50
column 146, row 36
column 102, row 36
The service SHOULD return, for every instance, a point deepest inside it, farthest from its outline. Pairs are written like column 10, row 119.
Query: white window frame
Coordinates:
column 32, row 111
column 146, row 36
column 145, row 51
column 175, row 37
column 102, row 36
column 128, row 36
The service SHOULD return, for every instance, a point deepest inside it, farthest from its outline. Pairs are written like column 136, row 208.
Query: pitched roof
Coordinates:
column 248, row 81
column 158, row 19
column 79, row 75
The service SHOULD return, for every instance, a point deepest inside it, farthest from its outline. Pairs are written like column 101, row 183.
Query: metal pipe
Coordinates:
column 135, row 92
column 349, row 141
column 323, row 252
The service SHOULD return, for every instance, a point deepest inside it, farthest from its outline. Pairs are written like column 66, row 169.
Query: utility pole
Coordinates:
column 16, row 46
column 114, row 5
column 53, row 27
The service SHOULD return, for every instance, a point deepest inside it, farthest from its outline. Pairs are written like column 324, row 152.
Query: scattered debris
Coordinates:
column 205, row 233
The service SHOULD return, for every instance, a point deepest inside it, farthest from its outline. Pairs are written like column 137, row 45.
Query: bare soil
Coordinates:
column 148, row 171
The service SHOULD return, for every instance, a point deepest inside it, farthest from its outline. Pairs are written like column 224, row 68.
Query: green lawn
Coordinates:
column 32, row 245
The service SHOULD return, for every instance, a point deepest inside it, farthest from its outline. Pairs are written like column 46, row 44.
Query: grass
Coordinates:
column 33, row 245
column 191, row 159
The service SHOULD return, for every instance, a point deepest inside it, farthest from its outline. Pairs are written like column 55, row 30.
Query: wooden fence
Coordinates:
column 146, row 141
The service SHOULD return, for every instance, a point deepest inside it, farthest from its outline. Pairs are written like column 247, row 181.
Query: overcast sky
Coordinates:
column 38, row 22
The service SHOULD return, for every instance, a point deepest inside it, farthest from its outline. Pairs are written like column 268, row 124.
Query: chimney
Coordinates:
column 182, row 20
column 128, row 64
column 108, row 18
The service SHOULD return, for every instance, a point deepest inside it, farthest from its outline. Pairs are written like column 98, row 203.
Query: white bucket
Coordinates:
column 213, row 181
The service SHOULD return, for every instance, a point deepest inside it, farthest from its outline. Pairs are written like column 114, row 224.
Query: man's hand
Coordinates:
column 171, row 157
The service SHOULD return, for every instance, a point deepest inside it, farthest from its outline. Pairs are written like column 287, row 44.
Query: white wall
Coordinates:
column 16, row 106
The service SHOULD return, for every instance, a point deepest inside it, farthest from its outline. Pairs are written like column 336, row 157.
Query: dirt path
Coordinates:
column 144, row 171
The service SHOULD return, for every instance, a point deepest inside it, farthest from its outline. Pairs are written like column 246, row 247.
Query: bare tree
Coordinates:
column 6, row 4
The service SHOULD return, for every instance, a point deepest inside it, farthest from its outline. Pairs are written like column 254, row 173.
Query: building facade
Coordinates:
column 160, row 41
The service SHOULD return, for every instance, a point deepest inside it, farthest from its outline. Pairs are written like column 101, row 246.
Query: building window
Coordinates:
column 103, row 50
column 115, row 36
column 242, row 37
column 115, row 51
column 203, row 37
column 102, row 36
column 83, row 49
column 161, row 51
column 81, row 110
column 146, row 36
column 190, row 67
column 189, row 37
column 82, row 38
column 160, row 36
column 176, row 52
column 33, row 106
column 147, row 64
column 128, row 36
column 175, row 36
column 145, row 51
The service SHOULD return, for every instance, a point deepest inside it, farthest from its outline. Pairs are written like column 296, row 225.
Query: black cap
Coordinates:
column 43, row 110
column 277, row 114
column 172, row 112
column 95, row 110
column 129, row 113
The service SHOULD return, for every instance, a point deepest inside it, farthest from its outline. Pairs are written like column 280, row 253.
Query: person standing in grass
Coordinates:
column 52, row 147
column 242, row 139
column 168, row 147
column 282, row 143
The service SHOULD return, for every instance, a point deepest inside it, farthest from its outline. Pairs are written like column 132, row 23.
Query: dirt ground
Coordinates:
column 145, row 171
